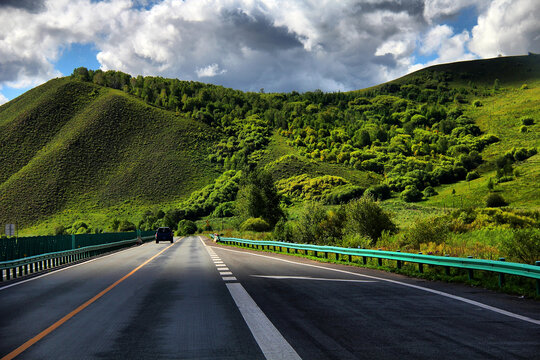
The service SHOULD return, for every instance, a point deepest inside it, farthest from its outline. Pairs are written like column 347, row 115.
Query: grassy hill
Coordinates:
column 70, row 148
column 100, row 145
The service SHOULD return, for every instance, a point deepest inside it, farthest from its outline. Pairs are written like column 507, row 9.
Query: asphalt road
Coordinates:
column 198, row 300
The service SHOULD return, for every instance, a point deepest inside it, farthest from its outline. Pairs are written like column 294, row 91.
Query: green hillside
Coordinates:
column 103, row 145
column 70, row 147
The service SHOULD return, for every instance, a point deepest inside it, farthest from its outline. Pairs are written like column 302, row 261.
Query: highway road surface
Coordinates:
column 194, row 299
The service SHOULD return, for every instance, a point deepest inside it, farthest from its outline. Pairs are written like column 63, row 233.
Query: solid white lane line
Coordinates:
column 437, row 292
column 310, row 278
column 270, row 340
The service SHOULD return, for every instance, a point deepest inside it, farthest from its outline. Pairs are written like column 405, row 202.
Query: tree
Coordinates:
column 258, row 198
column 367, row 218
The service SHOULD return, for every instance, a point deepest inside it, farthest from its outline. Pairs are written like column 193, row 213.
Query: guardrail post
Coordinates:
column 379, row 260
column 326, row 255
column 350, row 258
column 447, row 268
column 470, row 272
column 398, row 262
column 7, row 274
column 420, row 265
column 364, row 260
column 537, row 263
column 1, row 274
column 501, row 275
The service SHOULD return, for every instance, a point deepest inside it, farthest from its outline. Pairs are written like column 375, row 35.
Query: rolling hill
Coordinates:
column 99, row 145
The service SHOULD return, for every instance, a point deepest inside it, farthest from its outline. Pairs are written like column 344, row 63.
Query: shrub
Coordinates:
column 504, row 179
column 283, row 231
column 59, row 230
column 126, row 225
column 472, row 175
column 435, row 230
column 186, row 227
column 477, row 103
column 523, row 129
column 343, row 194
column 366, row 218
column 523, row 246
column 429, row 191
column 378, row 192
column 225, row 209
column 527, row 120
column 495, row 200
column 255, row 224
column 411, row 194
column 524, row 87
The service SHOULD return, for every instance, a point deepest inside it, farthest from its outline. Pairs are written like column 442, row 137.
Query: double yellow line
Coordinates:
column 60, row 322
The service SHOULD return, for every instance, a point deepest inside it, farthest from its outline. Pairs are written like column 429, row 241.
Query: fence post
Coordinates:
column 470, row 272
column 72, row 241
column 537, row 263
column 501, row 275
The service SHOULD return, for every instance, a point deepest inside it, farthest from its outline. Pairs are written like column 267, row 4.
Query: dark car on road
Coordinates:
column 164, row 234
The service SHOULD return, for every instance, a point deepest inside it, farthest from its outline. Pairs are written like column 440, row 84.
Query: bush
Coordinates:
column 429, row 191
column 225, row 209
column 126, row 225
column 255, row 224
column 283, row 231
column 504, row 179
column 523, row 129
column 523, row 246
column 435, row 230
column 366, row 218
column 472, row 175
column 527, row 120
column 495, row 200
column 343, row 194
column 378, row 192
column 477, row 103
column 59, row 230
column 186, row 227
column 411, row 194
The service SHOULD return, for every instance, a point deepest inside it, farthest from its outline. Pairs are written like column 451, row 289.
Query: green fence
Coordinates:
column 18, row 248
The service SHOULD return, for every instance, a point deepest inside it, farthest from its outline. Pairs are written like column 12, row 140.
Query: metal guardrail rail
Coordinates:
column 41, row 262
column 501, row 267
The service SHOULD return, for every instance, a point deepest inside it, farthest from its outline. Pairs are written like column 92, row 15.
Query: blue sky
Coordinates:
column 278, row 45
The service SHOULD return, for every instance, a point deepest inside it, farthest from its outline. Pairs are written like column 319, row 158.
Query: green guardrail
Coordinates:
column 36, row 263
column 501, row 267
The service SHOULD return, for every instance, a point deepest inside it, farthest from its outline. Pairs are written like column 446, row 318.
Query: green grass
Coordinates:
column 86, row 152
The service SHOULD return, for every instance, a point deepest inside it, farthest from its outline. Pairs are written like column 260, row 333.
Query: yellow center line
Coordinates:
column 59, row 323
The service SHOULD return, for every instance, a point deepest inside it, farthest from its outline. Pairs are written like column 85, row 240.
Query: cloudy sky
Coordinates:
column 278, row 45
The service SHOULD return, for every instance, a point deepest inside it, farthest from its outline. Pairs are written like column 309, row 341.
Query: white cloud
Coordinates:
column 31, row 38
column 3, row 99
column 507, row 28
column 280, row 45
column 210, row 71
